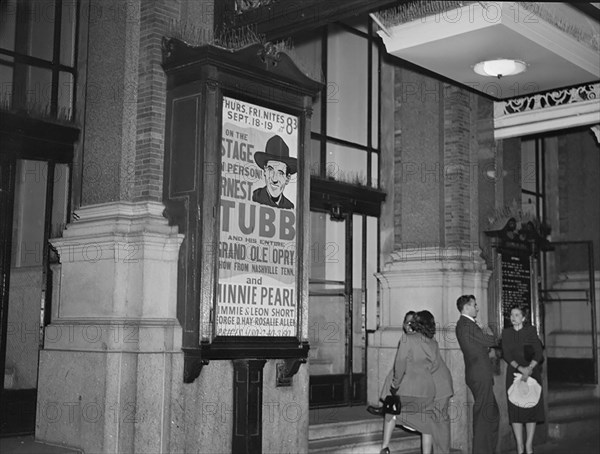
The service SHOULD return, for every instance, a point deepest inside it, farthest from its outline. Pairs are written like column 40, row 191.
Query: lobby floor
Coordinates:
column 27, row 445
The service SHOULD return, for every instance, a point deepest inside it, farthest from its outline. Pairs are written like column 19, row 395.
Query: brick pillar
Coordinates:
column 124, row 122
column 458, row 177
column 155, row 19
column 442, row 134
column 110, row 101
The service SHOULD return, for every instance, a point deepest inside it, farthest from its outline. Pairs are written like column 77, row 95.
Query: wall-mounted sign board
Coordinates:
column 237, row 186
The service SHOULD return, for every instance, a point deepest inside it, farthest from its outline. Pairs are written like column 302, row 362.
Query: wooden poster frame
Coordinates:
column 198, row 78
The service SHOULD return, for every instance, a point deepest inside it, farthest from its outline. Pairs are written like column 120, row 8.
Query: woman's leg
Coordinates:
column 441, row 426
column 426, row 443
column 530, row 428
column 518, row 430
column 388, row 427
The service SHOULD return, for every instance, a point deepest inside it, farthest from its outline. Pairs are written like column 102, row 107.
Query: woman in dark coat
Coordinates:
column 522, row 350
column 417, row 361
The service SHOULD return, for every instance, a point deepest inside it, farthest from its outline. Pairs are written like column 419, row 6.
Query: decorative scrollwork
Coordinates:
column 287, row 369
column 552, row 98
column 243, row 6
column 269, row 54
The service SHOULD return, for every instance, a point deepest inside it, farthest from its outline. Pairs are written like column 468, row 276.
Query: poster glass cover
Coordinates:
column 257, row 287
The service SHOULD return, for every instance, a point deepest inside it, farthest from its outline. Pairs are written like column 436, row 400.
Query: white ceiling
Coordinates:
column 451, row 43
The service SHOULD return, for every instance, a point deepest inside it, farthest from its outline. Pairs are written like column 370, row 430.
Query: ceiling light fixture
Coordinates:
column 500, row 68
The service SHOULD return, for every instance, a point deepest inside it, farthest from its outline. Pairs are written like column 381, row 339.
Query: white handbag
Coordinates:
column 524, row 394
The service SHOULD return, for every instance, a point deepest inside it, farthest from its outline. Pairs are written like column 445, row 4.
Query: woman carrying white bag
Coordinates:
column 522, row 350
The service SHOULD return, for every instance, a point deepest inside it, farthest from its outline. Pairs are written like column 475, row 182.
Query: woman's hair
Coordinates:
column 410, row 314
column 524, row 310
column 408, row 324
column 424, row 323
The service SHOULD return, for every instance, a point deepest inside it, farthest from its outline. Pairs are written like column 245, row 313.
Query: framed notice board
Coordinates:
column 237, row 185
column 515, row 282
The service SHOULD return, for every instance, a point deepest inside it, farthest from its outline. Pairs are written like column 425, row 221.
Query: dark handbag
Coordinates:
column 391, row 404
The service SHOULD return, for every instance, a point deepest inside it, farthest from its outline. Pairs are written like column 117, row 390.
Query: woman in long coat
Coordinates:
column 417, row 360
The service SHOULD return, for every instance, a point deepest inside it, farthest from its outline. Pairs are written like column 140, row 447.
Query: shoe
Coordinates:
column 385, row 451
column 377, row 411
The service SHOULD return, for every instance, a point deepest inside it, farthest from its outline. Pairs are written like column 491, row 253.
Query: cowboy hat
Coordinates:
column 276, row 150
column 524, row 394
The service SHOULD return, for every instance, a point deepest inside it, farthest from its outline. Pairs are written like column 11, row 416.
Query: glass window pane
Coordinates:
column 358, row 306
column 375, row 97
column 6, row 85
column 315, row 157
column 346, row 164
column 26, row 275
column 315, row 121
column 327, row 249
column 41, row 29
column 39, row 89
column 374, row 170
column 528, row 204
column 65, row 95
column 67, row 32
column 60, row 200
column 327, row 307
column 8, row 20
column 347, row 86
column 528, row 167
column 371, row 265
column 357, row 255
column 307, row 50
column 28, row 218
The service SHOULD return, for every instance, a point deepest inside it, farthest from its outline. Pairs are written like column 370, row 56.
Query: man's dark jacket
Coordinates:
column 474, row 344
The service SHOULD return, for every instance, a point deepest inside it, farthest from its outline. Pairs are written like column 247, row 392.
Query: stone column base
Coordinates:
column 427, row 279
column 113, row 349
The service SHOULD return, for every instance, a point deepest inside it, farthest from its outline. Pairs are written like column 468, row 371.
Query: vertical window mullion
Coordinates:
column 379, row 58
column 543, row 182
column 56, row 56
column 369, row 96
column 323, row 138
column 75, row 58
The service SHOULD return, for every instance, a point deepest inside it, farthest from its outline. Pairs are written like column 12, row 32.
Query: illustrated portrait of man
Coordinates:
column 278, row 167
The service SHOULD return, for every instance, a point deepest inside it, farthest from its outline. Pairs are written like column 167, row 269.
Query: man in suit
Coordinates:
column 474, row 343
column 278, row 167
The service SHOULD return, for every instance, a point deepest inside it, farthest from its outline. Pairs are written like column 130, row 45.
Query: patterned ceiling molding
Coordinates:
column 553, row 110
column 551, row 99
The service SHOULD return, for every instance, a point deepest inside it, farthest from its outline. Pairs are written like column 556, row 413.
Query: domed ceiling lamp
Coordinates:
column 500, row 68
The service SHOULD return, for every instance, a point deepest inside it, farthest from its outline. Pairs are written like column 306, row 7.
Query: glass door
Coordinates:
column 337, row 360
column 33, row 206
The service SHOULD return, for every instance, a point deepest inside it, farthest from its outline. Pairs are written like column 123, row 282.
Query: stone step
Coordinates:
column 360, row 437
column 573, row 411
column 344, row 428
column 570, row 393
column 573, row 428
column 589, row 408
column 367, row 443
